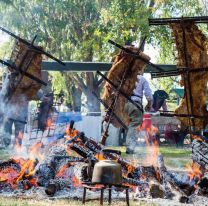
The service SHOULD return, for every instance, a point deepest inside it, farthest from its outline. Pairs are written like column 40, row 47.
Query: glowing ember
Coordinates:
column 62, row 170
column 76, row 182
column 8, row 175
column 17, row 171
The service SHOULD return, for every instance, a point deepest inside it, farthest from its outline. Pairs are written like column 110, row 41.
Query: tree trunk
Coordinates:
column 76, row 98
column 91, row 85
column 93, row 105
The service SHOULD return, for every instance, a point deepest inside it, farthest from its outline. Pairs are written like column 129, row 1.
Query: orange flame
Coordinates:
column 70, row 133
column 18, row 141
column 100, row 156
column 49, row 122
column 76, row 182
column 27, row 170
column 196, row 137
column 194, row 171
column 34, row 151
column 152, row 144
column 153, row 152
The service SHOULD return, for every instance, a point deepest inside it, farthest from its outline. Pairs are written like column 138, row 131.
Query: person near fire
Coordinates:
column 135, row 115
column 17, row 115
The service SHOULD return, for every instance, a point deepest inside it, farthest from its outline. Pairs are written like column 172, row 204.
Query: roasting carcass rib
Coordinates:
column 18, row 83
column 122, row 62
column 197, row 57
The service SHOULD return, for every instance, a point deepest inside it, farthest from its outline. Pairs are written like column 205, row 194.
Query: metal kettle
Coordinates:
column 107, row 172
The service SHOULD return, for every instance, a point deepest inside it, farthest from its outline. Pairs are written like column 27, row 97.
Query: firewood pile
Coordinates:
column 70, row 163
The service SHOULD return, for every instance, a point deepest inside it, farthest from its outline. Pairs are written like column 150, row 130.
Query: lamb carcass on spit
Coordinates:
column 196, row 57
column 123, row 62
column 18, row 84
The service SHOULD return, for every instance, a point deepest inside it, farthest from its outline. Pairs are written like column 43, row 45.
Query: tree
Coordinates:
column 161, row 37
column 78, row 30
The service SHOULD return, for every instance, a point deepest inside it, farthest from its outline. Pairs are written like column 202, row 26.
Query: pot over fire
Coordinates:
column 107, row 172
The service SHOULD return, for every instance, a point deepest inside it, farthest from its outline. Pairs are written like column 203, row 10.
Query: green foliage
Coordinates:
column 79, row 30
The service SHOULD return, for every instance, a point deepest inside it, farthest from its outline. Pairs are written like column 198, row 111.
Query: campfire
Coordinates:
column 69, row 164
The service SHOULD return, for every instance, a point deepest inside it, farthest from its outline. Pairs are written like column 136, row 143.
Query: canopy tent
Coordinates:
column 179, row 92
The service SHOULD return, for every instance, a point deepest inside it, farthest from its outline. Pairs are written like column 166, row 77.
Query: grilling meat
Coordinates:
column 22, row 56
column 122, row 63
column 197, row 57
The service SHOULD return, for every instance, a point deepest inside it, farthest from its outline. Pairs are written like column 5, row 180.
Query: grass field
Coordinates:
column 175, row 158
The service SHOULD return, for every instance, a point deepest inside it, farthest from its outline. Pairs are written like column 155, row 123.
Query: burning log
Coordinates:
column 134, row 175
column 10, row 163
column 200, row 152
column 184, row 183
column 134, row 182
column 57, row 158
column 17, row 173
column 203, row 184
column 93, row 151
column 55, row 185
column 157, row 191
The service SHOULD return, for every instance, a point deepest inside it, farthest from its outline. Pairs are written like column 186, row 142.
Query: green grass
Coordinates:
column 167, row 151
column 4, row 154
column 175, row 152
column 175, row 158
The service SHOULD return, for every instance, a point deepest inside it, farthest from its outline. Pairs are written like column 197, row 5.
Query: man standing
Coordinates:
column 135, row 115
column 17, row 112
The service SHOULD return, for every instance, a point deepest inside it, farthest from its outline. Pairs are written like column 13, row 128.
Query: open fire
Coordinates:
column 70, row 163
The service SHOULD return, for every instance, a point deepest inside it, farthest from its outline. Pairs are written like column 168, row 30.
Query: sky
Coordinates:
column 3, row 37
